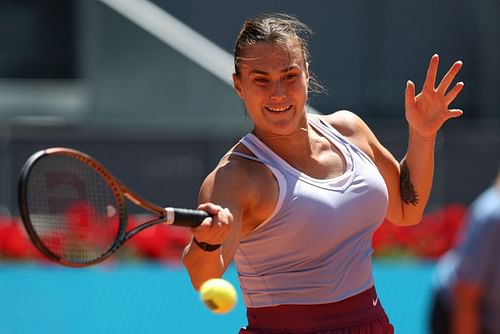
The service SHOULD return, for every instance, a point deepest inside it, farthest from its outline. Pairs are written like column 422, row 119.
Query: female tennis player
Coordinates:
column 296, row 201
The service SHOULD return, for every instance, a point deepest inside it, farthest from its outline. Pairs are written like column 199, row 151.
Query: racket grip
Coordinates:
column 185, row 217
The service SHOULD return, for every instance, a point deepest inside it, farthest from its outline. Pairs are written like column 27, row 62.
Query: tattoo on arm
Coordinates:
column 408, row 193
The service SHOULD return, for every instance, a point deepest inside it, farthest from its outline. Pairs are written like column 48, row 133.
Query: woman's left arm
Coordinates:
column 425, row 114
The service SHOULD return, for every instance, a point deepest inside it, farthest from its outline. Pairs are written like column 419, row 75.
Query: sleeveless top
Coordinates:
column 316, row 246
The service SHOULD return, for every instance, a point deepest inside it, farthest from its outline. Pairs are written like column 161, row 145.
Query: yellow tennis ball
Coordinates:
column 218, row 295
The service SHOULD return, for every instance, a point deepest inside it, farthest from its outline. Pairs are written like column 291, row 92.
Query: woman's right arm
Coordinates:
column 223, row 187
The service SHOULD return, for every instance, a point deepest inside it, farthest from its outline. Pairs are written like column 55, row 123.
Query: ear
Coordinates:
column 307, row 72
column 237, row 85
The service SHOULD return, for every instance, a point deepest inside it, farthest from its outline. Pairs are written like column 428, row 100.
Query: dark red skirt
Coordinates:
column 360, row 314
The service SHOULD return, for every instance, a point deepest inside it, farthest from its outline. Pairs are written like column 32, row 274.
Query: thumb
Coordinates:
column 410, row 95
column 453, row 113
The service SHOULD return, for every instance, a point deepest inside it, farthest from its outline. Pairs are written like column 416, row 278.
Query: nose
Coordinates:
column 279, row 91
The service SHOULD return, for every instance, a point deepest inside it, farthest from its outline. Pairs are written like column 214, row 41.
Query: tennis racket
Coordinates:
column 75, row 211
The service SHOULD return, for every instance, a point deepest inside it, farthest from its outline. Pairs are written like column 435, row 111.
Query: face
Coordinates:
column 273, row 85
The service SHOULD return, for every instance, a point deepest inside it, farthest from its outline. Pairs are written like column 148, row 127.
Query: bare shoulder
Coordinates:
column 231, row 174
column 346, row 122
column 244, row 185
column 354, row 129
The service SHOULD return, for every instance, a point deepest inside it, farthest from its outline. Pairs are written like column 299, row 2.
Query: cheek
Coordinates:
column 299, row 89
column 253, row 93
column 250, row 97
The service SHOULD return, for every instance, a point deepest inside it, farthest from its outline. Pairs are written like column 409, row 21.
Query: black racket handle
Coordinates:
column 185, row 217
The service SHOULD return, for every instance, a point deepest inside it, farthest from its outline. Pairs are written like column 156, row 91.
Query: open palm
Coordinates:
column 429, row 110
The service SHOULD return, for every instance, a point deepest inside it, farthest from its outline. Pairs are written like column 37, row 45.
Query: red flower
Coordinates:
column 86, row 227
column 159, row 242
column 428, row 240
column 14, row 242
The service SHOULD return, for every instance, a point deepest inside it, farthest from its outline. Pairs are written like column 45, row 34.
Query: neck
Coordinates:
column 297, row 143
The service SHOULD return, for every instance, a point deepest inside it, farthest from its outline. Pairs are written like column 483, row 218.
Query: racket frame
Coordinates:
column 187, row 217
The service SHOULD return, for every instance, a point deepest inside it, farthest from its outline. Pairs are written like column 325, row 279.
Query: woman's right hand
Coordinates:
column 215, row 229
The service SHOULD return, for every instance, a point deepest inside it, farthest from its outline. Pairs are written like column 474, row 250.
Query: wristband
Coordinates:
column 206, row 246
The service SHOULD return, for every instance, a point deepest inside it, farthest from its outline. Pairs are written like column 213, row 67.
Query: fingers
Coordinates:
column 455, row 113
column 430, row 79
column 213, row 229
column 454, row 92
column 409, row 95
column 211, row 208
column 449, row 77
column 219, row 215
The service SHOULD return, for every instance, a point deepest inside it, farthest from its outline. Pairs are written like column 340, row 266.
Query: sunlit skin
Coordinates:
column 273, row 85
column 272, row 82
column 429, row 110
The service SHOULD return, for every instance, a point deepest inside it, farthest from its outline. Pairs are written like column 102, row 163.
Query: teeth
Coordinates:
column 278, row 109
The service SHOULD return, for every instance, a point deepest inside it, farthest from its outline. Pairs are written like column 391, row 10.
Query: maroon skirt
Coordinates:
column 360, row 314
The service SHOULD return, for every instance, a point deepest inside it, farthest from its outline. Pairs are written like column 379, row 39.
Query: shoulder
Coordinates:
column 234, row 173
column 346, row 122
column 357, row 131
column 353, row 128
column 247, row 187
column 223, row 176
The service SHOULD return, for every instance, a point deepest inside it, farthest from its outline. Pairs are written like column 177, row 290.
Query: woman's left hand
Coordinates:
column 427, row 111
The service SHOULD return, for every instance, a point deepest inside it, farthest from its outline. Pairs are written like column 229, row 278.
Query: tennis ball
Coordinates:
column 218, row 295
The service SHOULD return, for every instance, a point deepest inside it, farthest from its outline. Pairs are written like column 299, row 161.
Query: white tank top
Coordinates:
column 316, row 246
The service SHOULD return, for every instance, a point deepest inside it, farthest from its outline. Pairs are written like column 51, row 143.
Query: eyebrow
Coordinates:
column 288, row 69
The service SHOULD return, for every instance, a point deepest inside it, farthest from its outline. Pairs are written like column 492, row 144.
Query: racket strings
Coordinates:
column 72, row 208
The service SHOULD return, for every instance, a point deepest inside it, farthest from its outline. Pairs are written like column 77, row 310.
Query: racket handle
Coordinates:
column 185, row 217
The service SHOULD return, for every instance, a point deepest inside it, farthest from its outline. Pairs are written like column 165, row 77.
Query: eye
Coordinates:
column 261, row 80
column 290, row 76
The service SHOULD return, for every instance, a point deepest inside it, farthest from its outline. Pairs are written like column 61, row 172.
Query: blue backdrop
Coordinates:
column 154, row 298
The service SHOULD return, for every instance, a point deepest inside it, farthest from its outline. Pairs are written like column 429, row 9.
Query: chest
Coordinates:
column 334, row 216
column 327, row 162
column 319, row 218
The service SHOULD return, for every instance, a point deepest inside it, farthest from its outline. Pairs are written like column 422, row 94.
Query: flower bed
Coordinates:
column 428, row 240
column 157, row 243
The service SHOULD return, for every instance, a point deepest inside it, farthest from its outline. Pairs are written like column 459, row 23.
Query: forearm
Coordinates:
column 416, row 175
column 202, row 265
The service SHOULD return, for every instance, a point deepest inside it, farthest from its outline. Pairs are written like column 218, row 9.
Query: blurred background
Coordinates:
column 144, row 87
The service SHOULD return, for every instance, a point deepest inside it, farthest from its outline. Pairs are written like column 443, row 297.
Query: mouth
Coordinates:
column 279, row 109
